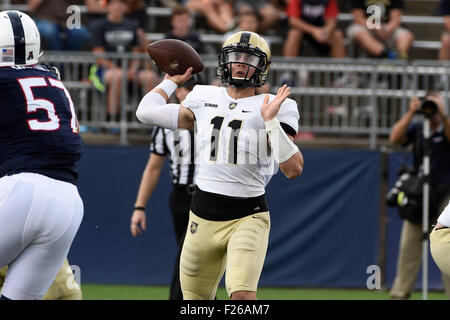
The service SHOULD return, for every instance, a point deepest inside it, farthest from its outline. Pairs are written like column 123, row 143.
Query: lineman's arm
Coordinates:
column 154, row 109
column 149, row 180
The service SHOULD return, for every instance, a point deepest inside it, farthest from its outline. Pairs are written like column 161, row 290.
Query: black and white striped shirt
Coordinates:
column 179, row 145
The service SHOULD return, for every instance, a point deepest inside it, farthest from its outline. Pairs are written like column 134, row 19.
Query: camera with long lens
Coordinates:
column 428, row 108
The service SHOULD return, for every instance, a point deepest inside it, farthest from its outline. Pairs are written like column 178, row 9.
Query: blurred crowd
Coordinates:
column 379, row 33
column 123, row 26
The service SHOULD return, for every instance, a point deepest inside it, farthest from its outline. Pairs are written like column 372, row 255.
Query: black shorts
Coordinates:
column 217, row 207
column 322, row 49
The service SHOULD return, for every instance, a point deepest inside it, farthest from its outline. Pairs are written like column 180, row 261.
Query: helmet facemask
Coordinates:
column 242, row 66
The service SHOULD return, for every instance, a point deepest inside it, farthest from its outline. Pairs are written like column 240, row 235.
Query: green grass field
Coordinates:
column 119, row 292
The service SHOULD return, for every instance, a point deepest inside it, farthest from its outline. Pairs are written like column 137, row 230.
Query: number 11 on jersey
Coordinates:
column 235, row 126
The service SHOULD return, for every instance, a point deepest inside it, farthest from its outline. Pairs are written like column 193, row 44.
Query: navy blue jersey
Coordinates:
column 38, row 125
column 315, row 12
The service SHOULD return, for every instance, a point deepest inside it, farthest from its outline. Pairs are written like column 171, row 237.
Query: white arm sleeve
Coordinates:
column 153, row 110
column 282, row 147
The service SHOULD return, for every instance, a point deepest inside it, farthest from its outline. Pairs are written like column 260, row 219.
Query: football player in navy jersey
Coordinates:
column 40, row 208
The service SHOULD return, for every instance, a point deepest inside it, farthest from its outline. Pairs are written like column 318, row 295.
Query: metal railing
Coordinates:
column 356, row 97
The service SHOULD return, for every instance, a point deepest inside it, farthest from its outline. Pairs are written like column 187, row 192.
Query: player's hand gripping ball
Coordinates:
column 175, row 56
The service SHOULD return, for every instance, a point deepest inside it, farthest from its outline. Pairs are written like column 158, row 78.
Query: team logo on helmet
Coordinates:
column 194, row 227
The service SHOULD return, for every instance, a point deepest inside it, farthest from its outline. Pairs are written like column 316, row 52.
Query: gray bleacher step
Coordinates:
column 431, row 32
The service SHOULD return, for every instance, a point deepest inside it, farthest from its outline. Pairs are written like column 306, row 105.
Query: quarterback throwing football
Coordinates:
column 239, row 136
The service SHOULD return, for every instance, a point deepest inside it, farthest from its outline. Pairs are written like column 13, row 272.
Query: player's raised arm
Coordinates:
column 285, row 151
column 154, row 109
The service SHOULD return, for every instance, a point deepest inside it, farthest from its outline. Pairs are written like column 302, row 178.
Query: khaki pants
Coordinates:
column 409, row 261
column 440, row 249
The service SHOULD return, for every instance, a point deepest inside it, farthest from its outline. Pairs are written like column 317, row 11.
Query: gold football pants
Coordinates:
column 238, row 246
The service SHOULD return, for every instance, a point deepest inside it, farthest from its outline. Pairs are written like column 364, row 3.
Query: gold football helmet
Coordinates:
column 245, row 48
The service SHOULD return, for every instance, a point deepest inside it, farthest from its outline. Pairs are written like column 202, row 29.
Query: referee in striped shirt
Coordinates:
column 179, row 146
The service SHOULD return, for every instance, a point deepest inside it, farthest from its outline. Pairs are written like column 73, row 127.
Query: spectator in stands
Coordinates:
column 181, row 23
column 246, row 21
column 96, row 10
column 316, row 22
column 444, row 9
column 405, row 133
column 118, row 34
column 51, row 18
column 218, row 13
column 378, row 30
column 136, row 11
column 266, row 10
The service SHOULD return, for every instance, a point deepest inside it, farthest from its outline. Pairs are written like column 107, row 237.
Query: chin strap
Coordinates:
column 241, row 84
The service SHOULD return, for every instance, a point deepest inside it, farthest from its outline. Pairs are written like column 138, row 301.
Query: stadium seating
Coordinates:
column 420, row 17
column 326, row 109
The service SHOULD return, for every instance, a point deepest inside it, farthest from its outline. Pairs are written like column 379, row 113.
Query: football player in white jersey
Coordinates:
column 239, row 138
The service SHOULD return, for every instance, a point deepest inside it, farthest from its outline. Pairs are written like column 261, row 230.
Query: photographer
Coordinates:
column 405, row 133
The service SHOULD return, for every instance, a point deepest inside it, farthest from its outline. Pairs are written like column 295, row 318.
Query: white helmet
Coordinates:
column 20, row 41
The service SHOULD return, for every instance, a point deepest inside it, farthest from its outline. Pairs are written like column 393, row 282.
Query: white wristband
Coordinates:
column 168, row 86
column 282, row 146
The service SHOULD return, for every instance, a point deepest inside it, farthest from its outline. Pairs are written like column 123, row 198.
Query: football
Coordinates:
column 175, row 56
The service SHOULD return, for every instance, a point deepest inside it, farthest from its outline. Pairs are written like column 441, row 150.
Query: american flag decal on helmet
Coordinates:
column 8, row 55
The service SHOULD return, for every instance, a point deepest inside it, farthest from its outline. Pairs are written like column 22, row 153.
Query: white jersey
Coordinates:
column 444, row 217
column 231, row 141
